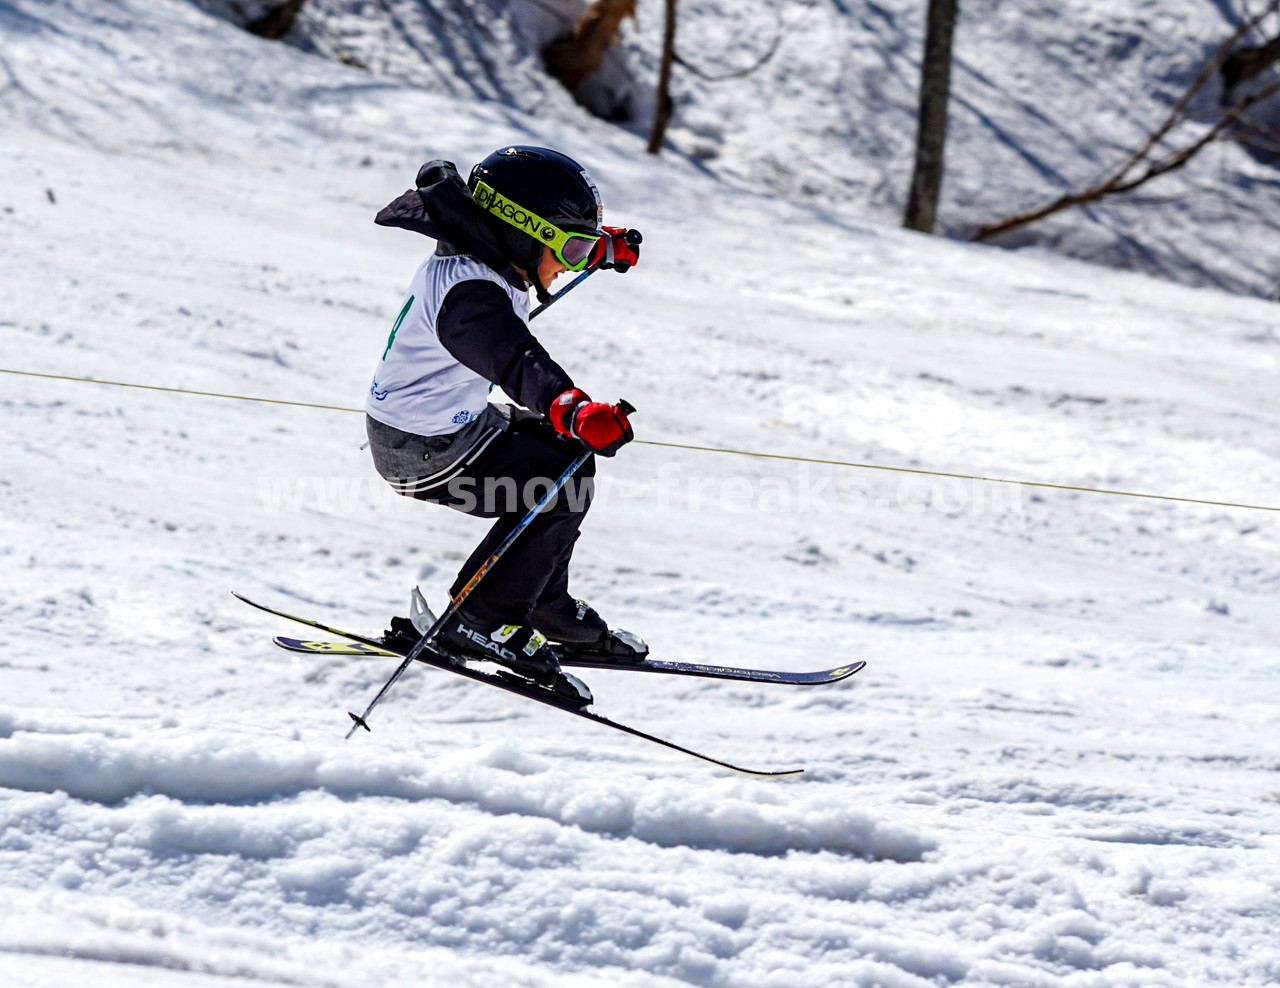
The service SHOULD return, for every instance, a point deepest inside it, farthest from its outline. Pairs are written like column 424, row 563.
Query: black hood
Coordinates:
column 441, row 207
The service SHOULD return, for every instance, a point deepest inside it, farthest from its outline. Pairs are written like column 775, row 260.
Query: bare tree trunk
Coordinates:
column 276, row 22
column 663, row 106
column 931, row 129
column 576, row 55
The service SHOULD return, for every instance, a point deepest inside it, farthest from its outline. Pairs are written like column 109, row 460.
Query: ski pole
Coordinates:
column 564, row 291
column 476, row 577
column 632, row 238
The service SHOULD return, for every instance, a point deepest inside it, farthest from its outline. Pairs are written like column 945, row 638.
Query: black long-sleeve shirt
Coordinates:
column 477, row 325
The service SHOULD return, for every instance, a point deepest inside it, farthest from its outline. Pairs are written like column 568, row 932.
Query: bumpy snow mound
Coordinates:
column 58, row 938
column 508, row 855
column 210, row 769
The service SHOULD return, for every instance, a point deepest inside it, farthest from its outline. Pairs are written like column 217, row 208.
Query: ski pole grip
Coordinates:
column 626, row 408
column 633, row 238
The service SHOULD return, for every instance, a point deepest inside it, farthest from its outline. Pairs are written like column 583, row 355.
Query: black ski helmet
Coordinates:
column 546, row 183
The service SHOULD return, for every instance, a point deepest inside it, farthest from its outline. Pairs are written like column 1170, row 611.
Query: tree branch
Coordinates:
column 778, row 38
column 1119, row 180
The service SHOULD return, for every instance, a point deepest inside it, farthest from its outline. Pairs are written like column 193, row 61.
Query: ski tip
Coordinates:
column 360, row 722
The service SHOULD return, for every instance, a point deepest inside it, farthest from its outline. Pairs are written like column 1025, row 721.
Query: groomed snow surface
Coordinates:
column 1059, row 768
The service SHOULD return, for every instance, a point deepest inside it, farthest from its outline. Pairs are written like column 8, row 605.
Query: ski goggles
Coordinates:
column 573, row 250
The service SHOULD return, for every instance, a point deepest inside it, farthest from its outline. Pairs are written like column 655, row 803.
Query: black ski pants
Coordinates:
column 504, row 482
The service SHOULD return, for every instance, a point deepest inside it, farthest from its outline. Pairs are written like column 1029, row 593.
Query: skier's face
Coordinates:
column 550, row 268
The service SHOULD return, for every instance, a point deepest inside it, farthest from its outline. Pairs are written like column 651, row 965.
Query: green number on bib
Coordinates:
column 396, row 328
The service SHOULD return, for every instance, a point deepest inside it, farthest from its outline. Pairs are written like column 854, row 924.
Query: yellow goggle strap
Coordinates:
column 536, row 227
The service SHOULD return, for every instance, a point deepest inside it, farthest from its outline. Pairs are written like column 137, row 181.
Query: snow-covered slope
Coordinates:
column 1048, row 97
column 1058, row 769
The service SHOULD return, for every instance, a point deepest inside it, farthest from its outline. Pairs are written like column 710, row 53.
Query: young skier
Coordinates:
column 525, row 216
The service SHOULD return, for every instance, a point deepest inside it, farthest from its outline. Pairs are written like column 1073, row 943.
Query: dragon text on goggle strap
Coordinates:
column 495, row 202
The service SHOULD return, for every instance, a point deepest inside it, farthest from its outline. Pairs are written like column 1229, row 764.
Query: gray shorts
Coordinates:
column 410, row 462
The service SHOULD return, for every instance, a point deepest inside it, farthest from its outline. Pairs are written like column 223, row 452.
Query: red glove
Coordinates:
column 603, row 428
column 619, row 248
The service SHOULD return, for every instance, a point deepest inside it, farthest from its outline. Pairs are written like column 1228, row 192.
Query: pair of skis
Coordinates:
column 363, row 645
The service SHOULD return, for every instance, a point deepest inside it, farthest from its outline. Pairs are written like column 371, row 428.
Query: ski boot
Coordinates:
column 578, row 631
column 401, row 637
column 519, row 648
